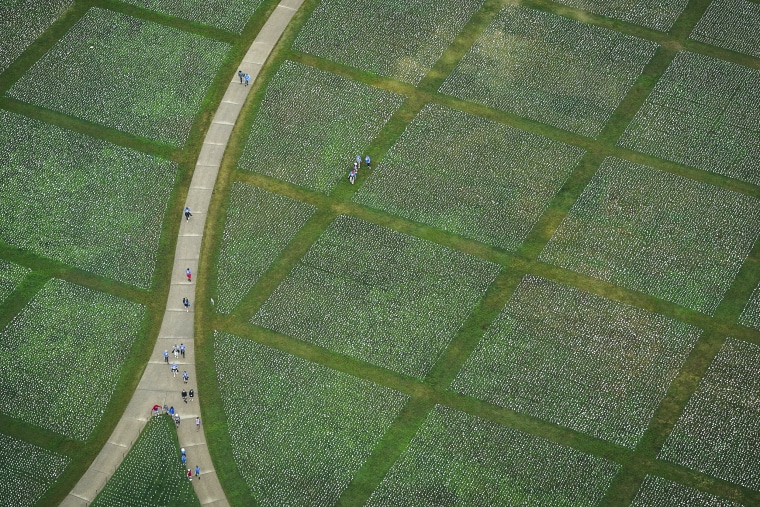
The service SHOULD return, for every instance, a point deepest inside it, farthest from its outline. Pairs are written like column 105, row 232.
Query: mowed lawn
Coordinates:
column 543, row 288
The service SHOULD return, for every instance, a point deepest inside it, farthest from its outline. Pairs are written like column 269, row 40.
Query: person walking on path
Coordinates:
column 247, row 79
column 185, row 376
column 182, row 348
column 240, row 75
column 197, row 423
column 175, row 369
column 187, row 214
column 176, row 420
column 368, row 161
column 189, row 275
column 171, row 411
column 175, row 352
column 166, row 356
column 186, row 302
column 184, row 460
column 198, row 472
column 192, row 395
column 184, row 396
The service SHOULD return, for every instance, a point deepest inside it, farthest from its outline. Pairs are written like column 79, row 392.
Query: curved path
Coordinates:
column 157, row 385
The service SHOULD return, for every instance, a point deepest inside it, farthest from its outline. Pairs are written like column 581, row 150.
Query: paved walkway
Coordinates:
column 157, row 385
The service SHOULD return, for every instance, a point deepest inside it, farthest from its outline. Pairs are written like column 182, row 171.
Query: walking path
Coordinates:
column 157, row 385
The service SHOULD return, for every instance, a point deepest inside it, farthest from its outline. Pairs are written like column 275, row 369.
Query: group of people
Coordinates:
column 189, row 472
column 244, row 77
column 357, row 163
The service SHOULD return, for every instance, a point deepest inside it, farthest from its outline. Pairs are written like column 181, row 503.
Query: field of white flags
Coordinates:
column 151, row 473
column 674, row 238
column 751, row 314
column 378, row 295
column 578, row 360
column 470, row 176
column 125, row 73
column 257, row 227
column 299, row 430
column 229, row 15
column 27, row 472
column 10, row 276
column 550, row 69
column 401, row 39
column 61, row 356
column 659, row 492
column 80, row 200
column 22, row 21
column 731, row 24
column 311, row 124
column 703, row 112
column 457, row 459
column 719, row 430
column 657, row 14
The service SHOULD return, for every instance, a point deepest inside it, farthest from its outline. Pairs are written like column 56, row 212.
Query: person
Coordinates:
column 175, row 369
column 166, row 356
column 183, row 451
column 352, row 176
column 176, row 420
column 240, row 75
column 358, row 162
column 197, row 423
column 189, row 475
column 198, row 472
column 182, row 345
column 186, row 302
column 356, row 166
column 247, row 79
column 156, row 410
column 185, row 376
column 187, row 214
column 175, row 352
column 184, row 396
column 184, row 460
column 189, row 275
column 367, row 161
column 171, row 411
column 192, row 394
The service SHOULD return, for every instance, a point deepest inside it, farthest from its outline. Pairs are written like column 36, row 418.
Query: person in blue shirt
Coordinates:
column 367, row 161
column 352, row 176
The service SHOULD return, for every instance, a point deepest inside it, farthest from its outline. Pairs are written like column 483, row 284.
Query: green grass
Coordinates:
column 578, row 360
column 702, row 113
column 469, row 176
column 229, row 15
column 731, row 24
column 457, row 459
column 299, row 430
column 152, row 472
column 550, row 69
column 677, row 239
column 11, row 276
column 657, row 14
column 62, row 355
column 28, row 471
column 718, row 430
column 378, row 295
column 84, row 201
column 658, row 492
column 126, row 73
column 365, row 34
column 311, row 124
column 257, row 227
column 21, row 22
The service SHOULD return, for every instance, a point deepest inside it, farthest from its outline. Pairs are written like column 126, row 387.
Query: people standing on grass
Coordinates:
column 352, row 176
column 368, row 161
column 189, row 475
